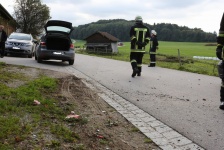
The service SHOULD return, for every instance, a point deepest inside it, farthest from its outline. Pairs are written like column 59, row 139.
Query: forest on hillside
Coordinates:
column 165, row 31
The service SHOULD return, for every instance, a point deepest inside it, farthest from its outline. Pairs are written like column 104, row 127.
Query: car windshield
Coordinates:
column 25, row 37
column 58, row 28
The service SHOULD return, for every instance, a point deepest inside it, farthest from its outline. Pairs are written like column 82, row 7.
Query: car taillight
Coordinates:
column 71, row 46
column 43, row 44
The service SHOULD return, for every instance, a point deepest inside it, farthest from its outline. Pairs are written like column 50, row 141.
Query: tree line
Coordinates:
column 165, row 31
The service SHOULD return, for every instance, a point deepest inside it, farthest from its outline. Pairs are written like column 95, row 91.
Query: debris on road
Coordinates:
column 72, row 115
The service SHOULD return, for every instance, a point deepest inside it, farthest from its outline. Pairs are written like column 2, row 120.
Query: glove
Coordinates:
column 144, row 44
column 220, row 69
column 138, row 43
column 157, row 47
column 141, row 44
column 219, row 52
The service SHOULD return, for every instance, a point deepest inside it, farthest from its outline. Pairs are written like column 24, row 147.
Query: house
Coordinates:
column 101, row 42
column 7, row 20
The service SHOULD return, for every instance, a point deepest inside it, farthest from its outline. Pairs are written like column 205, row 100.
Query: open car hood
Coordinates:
column 58, row 26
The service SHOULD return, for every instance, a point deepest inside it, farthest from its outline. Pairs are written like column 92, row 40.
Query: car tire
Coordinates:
column 71, row 62
column 35, row 56
column 39, row 60
column 30, row 56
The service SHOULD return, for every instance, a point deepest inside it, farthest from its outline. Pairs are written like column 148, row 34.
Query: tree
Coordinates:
column 31, row 16
column 166, row 33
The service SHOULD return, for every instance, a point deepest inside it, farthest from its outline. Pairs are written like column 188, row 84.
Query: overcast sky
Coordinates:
column 204, row 14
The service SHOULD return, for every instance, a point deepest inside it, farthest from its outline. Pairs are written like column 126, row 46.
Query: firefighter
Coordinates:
column 140, row 37
column 153, row 47
column 219, row 54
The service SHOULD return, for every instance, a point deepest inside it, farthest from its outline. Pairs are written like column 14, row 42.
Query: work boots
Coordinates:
column 135, row 71
column 222, row 97
column 134, row 68
column 139, row 71
column 151, row 65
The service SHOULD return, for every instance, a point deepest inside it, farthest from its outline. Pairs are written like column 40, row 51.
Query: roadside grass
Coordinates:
column 79, row 43
column 172, row 55
column 134, row 129
column 147, row 140
column 22, row 121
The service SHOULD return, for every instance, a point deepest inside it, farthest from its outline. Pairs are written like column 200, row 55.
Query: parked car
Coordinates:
column 20, row 43
column 56, row 43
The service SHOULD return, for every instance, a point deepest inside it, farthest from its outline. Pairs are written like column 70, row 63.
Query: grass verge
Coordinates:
column 22, row 121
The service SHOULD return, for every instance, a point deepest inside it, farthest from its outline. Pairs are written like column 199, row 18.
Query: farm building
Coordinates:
column 101, row 42
column 7, row 20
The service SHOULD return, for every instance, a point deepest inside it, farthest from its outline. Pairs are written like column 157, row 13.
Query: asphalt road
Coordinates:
column 187, row 102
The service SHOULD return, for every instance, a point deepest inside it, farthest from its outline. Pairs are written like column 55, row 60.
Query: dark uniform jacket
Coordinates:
column 140, row 36
column 153, row 44
column 3, row 39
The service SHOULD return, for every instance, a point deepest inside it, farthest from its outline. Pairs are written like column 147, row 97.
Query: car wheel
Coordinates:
column 30, row 56
column 71, row 62
column 39, row 60
column 35, row 56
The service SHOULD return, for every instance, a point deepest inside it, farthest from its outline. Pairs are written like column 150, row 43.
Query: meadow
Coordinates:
column 173, row 55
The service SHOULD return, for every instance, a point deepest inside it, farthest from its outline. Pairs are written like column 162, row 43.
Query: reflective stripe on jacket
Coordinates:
column 140, row 34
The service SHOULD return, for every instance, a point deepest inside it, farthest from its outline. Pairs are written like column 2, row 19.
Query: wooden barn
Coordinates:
column 7, row 20
column 101, row 42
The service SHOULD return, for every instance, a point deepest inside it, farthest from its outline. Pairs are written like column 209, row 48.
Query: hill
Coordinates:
column 166, row 31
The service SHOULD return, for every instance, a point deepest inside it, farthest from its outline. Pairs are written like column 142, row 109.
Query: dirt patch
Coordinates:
column 105, row 129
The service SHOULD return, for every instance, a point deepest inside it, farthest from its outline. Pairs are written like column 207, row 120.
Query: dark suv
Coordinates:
column 56, row 43
column 20, row 43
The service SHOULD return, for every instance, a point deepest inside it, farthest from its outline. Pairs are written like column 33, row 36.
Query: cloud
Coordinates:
column 204, row 14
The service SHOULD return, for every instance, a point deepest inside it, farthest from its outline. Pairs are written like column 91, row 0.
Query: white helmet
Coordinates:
column 138, row 18
column 153, row 32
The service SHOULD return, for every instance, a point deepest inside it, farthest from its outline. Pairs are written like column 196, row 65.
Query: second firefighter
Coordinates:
column 153, row 47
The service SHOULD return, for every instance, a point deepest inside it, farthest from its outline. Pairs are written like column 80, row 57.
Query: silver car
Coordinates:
column 56, row 43
column 20, row 44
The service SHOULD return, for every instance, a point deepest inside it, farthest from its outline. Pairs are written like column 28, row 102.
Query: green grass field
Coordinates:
column 186, row 49
column 167, row 56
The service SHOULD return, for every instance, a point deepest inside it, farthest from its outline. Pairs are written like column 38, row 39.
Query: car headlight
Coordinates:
column 27, row 44
column 8, row 43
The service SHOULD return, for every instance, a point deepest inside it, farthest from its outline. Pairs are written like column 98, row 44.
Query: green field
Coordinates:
column 171, row 48
column 167, row 56
column 187, row 49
